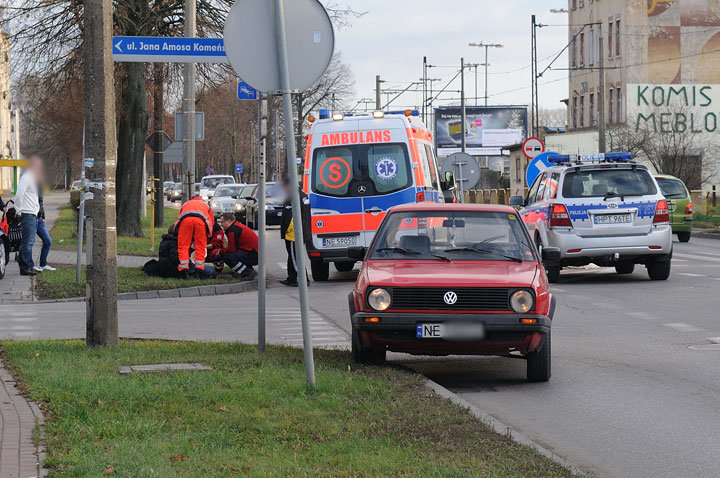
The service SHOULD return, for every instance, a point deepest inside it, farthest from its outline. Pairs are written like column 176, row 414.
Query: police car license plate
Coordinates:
column 339, row 241
column 450, row 331
column 612, row 218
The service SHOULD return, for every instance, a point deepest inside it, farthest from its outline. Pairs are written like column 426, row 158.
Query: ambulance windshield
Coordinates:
column 361, row 170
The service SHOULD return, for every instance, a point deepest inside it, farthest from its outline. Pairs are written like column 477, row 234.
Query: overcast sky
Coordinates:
column 394, row 35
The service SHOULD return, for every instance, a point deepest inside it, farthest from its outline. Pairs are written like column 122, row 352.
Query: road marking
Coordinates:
column 696, row 258
column 683, row 327
column 557, row 289
column 640, row 315
column 690, row 274
column 714, row 340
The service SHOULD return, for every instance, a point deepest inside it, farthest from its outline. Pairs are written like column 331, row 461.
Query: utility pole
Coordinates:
column 261, row 223
column 534, row 76
column 487, row 46
column 601, row 94
column 463, row 126
column 158, row 170
column 378, row 93
column 424, row 80
column 188, row 149
column 99, row 93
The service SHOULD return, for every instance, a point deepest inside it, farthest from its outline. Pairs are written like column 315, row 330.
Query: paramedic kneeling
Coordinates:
column 241, row 253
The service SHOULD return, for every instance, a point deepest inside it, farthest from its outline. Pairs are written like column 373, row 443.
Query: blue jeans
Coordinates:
column 207, row 272
column 28, row 227
column 44, row 236
column 241, row 262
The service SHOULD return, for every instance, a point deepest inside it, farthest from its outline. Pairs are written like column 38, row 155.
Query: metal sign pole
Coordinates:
column 81, row 213
column 295, row 195
column 188, row 133
column 261, row 229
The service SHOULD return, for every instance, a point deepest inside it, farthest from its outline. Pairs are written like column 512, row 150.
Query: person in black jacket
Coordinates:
column 287, row 231
column 168, row 258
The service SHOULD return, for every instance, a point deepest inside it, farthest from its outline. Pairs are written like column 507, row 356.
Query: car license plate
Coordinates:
column 450, row 331
column 278, row 214
column 612, row 218
column 340, row 241
column 671, row 206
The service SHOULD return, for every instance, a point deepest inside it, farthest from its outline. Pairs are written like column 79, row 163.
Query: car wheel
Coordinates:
column 320, row 270
column 626, row 268
column 345, row 266
column 684, row 236
column 659, row 269
column 364, row 355
column 539, row 361
column 3, row 258
column 552, row 271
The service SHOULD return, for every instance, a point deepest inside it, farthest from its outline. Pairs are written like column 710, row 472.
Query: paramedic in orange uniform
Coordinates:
column 194, row 225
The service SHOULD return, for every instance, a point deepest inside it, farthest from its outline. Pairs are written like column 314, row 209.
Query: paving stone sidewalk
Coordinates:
column 19, row 457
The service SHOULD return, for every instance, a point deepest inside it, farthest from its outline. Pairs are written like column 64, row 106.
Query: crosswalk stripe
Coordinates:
column 696, row 258
column 690, row 274
column 683, row 327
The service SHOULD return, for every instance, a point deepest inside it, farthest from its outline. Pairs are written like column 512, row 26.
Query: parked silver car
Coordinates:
column 609, row 212
column 225, row 198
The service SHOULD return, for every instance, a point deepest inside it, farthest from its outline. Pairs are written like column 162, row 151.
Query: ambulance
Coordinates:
column 358, row 167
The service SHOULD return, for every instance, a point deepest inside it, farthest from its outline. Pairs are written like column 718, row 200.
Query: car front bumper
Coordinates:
column 657, row 242
column 504, row 333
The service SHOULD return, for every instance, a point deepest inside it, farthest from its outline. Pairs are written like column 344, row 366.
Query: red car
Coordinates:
column 441, row 279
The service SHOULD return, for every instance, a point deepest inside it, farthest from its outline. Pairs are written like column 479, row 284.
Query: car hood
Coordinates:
column 426, row 273
column 225, row 200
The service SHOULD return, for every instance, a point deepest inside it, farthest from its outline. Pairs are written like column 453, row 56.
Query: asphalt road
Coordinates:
column 636, row 380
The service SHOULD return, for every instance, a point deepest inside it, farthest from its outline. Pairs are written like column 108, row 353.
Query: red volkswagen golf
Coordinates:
column 442, row 279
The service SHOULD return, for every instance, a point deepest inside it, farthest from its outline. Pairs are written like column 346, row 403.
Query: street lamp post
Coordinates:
column 487, row 46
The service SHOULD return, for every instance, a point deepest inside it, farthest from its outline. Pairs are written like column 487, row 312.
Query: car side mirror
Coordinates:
column 234, row 196
column 551, row 254
column 517, row 201
column 356, row 252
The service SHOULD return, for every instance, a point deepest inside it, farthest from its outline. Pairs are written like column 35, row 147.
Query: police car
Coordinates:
column 601, row 209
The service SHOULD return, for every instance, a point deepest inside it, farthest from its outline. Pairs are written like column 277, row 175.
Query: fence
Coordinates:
column 492, row 196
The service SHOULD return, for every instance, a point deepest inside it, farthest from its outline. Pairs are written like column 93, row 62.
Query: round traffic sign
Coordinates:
column 251, row 43
column 465, row 169
column 536, row 166
column 533, row 147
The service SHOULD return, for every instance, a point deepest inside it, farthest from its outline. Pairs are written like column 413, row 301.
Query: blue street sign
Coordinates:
column 169, row 49
column 536, row 166
column 239, row 168
column 246, row 92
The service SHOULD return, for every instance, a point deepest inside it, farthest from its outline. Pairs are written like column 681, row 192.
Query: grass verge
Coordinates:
column 64, row 234
column 61, row 284
column 251, row 416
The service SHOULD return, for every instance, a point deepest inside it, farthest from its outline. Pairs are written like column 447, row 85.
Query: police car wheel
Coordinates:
column 659, row 269
column 539, row 362
column 345, row 266
column 625, row 268
column 320, row 270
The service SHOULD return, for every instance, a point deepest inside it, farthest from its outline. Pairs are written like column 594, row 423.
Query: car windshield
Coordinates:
column 177, row 187
column 453, row 235
column 273, row 190
column 603, row 183
column 248, row 190
column 361, row 170
column 672, row 188
column 227, row 191
column 212, row 183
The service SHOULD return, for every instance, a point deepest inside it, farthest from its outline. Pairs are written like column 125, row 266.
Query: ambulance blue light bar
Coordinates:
column 324, row 113
column 403, row 112
column 558, row 158
column 618, row 156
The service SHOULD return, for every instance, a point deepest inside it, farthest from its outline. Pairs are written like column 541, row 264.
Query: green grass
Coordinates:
column 251, row 416
column 61, row 284
column 709, row 221
column 64, row 234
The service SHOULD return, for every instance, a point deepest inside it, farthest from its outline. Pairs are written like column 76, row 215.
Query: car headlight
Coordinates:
column 215, row 205
column 379, row 299
column 238, row 207
column 522, row 301
column 269, row 207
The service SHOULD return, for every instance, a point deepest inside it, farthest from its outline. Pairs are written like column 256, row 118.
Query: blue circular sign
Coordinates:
column 536, row 166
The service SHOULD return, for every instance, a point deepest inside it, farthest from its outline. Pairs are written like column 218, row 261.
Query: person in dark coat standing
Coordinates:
column 287, row 232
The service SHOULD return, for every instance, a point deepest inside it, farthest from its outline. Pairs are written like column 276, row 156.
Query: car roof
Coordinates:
column 667, row 176
column 424, row 207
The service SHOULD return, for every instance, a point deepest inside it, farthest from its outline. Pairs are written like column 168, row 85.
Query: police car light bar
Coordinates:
column 324, row 113
column 618, row 156
column 558, row 158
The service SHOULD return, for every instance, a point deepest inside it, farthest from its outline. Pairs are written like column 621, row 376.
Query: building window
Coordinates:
column 573, row 52
column 574, row 4
column 617, row 37
column 582, row 3
column 592, row 110
column 619, row 109
column 574, row 112
column 611, row 100
column 611, row 45
column 582, row 111
column 582, row 49
column 591, row 47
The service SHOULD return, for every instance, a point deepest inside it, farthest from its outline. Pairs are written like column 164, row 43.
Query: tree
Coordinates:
column 552, row 117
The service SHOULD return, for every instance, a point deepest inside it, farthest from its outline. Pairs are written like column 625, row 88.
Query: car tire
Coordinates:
column 539, row 362
column 3, row 258
column 684, row 236
column 552, row 271
column 659, row 269
column 320, row 270
column 344, row 266
column 626, row 268
column 364, row 355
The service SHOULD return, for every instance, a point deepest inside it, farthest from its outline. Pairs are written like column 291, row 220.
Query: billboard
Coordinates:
column 488, row 129
column 677, row 108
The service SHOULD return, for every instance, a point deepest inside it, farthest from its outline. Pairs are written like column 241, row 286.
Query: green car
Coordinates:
column 681, row 209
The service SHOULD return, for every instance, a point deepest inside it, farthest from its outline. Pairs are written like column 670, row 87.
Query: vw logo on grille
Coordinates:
column 450, row 297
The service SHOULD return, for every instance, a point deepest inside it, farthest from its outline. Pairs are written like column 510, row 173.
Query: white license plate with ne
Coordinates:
column 450, row 331
column 340, row 241
column 612, row 219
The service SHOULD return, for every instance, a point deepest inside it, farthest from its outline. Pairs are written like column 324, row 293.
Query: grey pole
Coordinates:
column 378, row 98
column 261, row 228
column 601, row 97
column 486, row 73
column 188, row 149
column 295, row 196
column 81, row 213
column 476, row 84
column 462, row 103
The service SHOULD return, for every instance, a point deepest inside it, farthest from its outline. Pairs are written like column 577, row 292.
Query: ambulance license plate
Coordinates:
column 612, row 219
column 340, row 241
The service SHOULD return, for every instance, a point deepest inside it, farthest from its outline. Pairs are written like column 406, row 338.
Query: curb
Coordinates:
column 196, row 291
column 40, row 450
column 501, row 427
column 705, row 235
